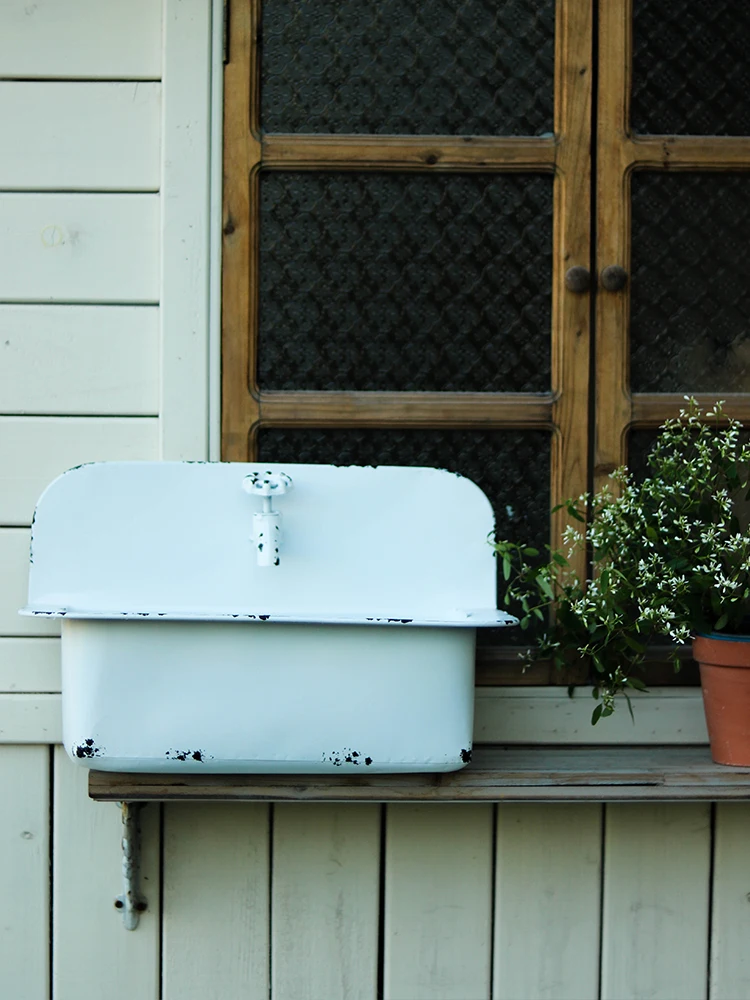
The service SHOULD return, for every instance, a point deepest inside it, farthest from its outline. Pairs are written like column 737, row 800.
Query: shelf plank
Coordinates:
column 497, row 773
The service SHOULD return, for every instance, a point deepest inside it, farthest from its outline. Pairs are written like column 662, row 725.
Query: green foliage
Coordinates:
column 670, row 556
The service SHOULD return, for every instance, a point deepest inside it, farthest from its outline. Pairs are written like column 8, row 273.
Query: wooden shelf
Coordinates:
column 497, row 773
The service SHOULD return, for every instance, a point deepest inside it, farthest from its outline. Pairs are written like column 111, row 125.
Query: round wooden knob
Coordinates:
column 614, row 278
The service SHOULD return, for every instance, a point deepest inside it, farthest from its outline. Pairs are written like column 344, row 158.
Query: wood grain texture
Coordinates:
column 656, row 902
column 571, row 312
column 730, row 904
column 36, row 450
column 87, row 878
column 547, row 902
column 81, row 38
column 24, row 872
column 29, row 665
column 612, row 321
column 79, row 248
column 14, row 585
column 30, row 718
column 216, row 917
column 496, row 774
column 438, row 875
column 185, row 230
column 325, row 902
column 80, row 136
column 391, row 152
column 413, row 409
column 652, row 409
column 85, row 360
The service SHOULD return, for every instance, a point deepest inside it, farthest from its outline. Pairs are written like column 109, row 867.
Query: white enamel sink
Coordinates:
column 187, row 647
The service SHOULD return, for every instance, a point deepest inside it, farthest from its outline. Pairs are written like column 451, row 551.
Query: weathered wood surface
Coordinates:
column 215, row 943
column 547, row 901
column 497, row 774
column 324, row 901
column 94, row 956
column 437, row 911
column 24, row 873
column 656, row 902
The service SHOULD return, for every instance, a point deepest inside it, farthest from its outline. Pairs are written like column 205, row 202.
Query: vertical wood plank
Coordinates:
column 656, row 901
column 24, row 872
column 730, row 924
column 325, row 900
column 215, row 902
column 438, row 900
column 94, row 956
column 547, row 902
column 185, row 228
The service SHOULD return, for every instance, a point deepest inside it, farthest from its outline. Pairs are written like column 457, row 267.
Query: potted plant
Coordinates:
column 670, row 557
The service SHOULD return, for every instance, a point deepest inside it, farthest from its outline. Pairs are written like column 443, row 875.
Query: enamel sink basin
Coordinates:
column 231, row 617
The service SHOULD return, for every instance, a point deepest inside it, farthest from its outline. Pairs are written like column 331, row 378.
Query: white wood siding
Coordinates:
column 80, row 136
column 85, row 360
column 81, row 39
column 104, row 353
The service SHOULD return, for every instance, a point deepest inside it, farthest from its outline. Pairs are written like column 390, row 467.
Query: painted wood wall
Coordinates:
column 104, row 348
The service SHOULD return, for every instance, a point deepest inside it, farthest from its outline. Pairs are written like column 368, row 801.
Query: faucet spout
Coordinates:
column 267, row 523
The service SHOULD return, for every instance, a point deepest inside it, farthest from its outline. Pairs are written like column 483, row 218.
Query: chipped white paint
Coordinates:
column 150, row 604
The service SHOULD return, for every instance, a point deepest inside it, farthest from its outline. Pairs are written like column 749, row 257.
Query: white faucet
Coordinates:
column 267, row 523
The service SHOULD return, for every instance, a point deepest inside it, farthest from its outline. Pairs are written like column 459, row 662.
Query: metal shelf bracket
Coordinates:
column 131, row 902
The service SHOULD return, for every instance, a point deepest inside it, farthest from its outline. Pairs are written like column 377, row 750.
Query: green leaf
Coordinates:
column 596, row 714
column 637, row 683
column 721, row 623
column 506, row 567
column 529, row 551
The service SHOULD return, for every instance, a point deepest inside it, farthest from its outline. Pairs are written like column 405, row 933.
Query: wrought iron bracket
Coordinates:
column 131, row 902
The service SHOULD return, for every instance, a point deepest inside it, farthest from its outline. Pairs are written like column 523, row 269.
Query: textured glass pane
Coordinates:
column 444, row 67
column 404, row 282
column 691, row 72
column 690, row 286
column 511, row 466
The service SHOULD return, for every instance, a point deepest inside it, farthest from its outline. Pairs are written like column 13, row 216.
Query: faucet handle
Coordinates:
column 267, row 484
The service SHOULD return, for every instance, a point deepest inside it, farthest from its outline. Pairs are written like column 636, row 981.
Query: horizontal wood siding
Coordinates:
column 79, row 248
column 80, row 136
column 85, row 39
column 14, row 582
column 35, row 450
column 29, row 665
column 86, row 360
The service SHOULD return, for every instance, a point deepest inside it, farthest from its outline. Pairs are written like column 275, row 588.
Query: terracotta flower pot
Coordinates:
column 725, row 680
